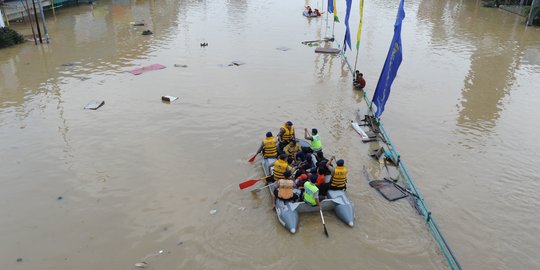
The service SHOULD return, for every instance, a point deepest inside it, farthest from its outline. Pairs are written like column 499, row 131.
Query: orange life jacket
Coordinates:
column 285, row 189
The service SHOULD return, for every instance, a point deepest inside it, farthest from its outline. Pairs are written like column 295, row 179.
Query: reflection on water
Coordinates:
column 494, row 57
column 93, row 39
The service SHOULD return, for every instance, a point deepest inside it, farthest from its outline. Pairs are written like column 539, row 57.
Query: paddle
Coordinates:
column 322, row 217
column 252, row 158
column 250, row 183
column 261, row 188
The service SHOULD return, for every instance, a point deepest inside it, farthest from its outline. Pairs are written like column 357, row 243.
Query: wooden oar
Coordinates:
column 252, row 158
column 250, row 183
column 322, row 217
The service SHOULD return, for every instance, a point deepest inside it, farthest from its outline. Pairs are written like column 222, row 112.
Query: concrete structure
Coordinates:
column 2, row 19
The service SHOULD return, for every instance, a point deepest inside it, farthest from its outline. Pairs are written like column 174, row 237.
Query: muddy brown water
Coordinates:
column 138, row 176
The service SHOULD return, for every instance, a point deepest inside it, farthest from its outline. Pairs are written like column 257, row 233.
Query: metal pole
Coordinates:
column 37, row 22
column 531, row 13
column 43, row 20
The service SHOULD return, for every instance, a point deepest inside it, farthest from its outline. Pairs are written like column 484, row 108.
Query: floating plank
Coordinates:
column 94, row 104
column 327, row 50
column 147, row 68
column 168, row 98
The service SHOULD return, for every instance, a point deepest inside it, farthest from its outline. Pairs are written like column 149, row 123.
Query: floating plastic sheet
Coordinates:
column 94, row 104
column 146, row 69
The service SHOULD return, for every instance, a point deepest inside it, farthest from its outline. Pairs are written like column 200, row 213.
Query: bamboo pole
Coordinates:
column 27, row 8
column 53, row 12
column 531, row 13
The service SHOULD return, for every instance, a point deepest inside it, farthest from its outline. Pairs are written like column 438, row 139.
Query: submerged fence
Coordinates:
column 417, row 196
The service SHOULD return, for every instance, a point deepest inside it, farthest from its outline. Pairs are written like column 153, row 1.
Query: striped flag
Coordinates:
column 360, row 24
column 336, row 19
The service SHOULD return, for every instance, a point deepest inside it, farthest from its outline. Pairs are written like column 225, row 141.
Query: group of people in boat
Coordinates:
column 311, row 12
column 358, row 80
column 300, row 172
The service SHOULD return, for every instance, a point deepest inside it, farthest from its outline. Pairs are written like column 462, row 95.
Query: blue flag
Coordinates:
column 390, row 68
column 331, row 6
column 347, row 40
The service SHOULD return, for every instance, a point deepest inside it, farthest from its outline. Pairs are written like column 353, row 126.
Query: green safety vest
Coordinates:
column 316, row 144
column 310, row 191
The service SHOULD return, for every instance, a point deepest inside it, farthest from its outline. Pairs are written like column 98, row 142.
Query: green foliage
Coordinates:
column 536, row 16
column 9, row 37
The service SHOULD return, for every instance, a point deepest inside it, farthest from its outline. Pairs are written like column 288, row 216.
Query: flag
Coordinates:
column 331, row 6
column 391, row 65
column 360, row 24
column 336, row 19
column 347, row 39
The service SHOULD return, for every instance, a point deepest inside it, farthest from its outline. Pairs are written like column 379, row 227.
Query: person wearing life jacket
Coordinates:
column 314, row 138
column 286, row 135
column 311, row 192
column 291, row 149
column 339, row 176
column 268, row 146
column 280, row 167
column 285, row 188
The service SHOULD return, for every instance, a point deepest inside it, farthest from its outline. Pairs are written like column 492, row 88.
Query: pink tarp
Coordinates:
column 147, row 68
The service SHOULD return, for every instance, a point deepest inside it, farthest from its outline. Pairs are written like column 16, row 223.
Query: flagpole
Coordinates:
column 326, row 29
column 359, row 32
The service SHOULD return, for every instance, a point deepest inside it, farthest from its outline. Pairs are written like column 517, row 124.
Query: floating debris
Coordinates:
column 327, row 50
column 146, row 32
column 59, row 198
column 179, row 243
column 141, row 23
column 141, row 265
column 204, row 44
column 283, row 48
column 142, row 70
column 94, row 104
column 236, row 63
column 241, row 208
column 180, row 65
column 213, row 211
column 168, row 98
column 19, row 259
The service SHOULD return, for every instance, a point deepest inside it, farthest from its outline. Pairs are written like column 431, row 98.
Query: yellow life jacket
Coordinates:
column 269, row 147
column 339, row 179
column 280, row 166
column 288, row 134
column 285, row 189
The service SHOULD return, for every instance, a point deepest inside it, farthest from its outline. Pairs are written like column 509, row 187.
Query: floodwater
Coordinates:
column 109, row 188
